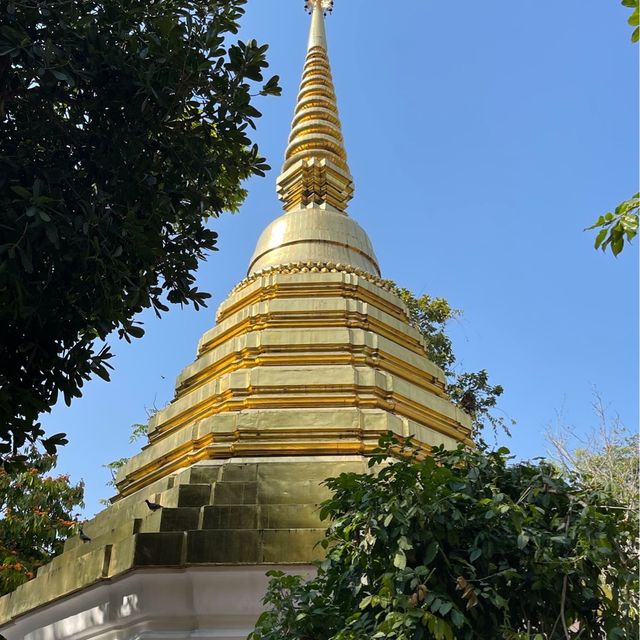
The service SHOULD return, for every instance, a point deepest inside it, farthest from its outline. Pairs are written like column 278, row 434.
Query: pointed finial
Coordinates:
column 315, row 170
column 317, row 35
column 325, row 5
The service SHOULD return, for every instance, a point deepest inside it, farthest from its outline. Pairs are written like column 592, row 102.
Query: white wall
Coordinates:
column 156, row 604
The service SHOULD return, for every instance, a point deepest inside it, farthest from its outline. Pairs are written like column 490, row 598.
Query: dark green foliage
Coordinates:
column 123, row 128
column 463, row 545
column 35, row 518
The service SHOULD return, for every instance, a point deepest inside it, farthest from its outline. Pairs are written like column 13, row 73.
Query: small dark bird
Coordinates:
column 154, row 506
column 469, row 402
column 83, row 536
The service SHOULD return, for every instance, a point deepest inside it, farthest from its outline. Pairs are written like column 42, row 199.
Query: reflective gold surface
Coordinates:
column 316, row 235
column 315, row 170
column 311, row 362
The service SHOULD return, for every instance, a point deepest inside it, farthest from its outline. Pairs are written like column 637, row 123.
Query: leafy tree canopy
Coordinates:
column 463, row 545
column 35, row 518
column 123, row 128
column 471, row 391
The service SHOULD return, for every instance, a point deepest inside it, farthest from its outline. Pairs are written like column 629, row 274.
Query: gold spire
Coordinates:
column 315, row 170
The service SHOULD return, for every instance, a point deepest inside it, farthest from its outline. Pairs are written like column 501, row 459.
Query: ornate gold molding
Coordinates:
column 336, row 354
column 312, row 267
column 315, row 170
column 321, row 396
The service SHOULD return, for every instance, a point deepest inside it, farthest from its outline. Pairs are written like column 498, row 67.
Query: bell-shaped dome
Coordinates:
column 314, row 234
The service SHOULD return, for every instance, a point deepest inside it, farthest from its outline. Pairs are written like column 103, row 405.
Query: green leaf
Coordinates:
column 602, row 234
column 523, row 540
column 52, row 234
column 617, row 245
column 102, row 373
column 64, row 76
column 430, row 552
column 21, row 191
column 400, row 560
column 136, row 332
column 445, row 607
column 271, row 87
column 500, row 601
column 404, row 544
column 457, row 618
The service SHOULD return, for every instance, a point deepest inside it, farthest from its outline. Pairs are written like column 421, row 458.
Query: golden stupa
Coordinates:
column 311, row 359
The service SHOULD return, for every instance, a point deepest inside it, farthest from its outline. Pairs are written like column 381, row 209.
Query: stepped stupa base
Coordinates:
column 199, row 563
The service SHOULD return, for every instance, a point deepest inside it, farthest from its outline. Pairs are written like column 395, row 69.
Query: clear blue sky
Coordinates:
column 483, row 137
